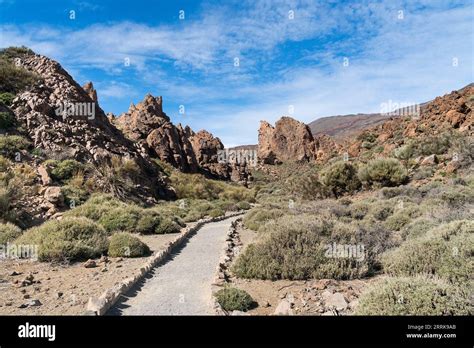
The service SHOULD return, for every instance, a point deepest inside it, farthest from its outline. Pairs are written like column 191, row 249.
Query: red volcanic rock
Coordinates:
column 289, row 140
column 147, row 125
column 90, row 90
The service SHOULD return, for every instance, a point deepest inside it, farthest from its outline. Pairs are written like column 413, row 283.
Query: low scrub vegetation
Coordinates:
column 126, row 245
column 232, row 299
column 383, row 172
column 7, row 120
column 14, row 79
column 62, row 171
column 414, row 296
column 196, row 186
column 10, row 145
column 340, row 178
column 8, row 233
column 302, row 247
column 444, row 251
column 257, row 217
column 69, row 239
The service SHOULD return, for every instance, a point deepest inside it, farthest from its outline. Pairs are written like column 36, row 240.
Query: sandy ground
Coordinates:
column 64, row 289
column 182, row 285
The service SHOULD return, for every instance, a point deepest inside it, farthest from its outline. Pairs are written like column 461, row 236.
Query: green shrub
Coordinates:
column 15, row 52
column 7, row 98
column 414, row 296
column 4, row 201
column 359, row 210
column 8, row 233
column 340, row 178
column 367, row 137
column 423, row 173
column 224, row 205
column 120, row 219
column 126, row 245
column 391, row 192
column 11, row 144
column 193, row 215
column 381, row 210
column 404, row 153
column 5, row 163
column 297, row 248
column 457, row 195
column 401, row 218
column 73, row 195
column 64, row 170
column 7, row 120
column 418, row 228
column 243, row 205
column 306, row 184
column 97, row 206
column 148, row 222
column 216, row 213
column 167, row 226
column 70, row 239
column 232, row 299
column 383, row 172
column 196, row 186
column 436, row 145
column 445, row 251
column 257, row 217
column 14, row 79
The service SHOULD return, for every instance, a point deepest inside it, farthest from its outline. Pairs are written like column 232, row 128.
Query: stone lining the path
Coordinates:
column 231, row 250
column 100, row 305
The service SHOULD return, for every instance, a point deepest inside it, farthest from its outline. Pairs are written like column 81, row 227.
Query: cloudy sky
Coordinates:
column 229, row 64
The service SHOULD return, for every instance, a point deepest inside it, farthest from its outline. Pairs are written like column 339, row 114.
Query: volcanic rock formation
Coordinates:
column 148, row 126
column 64, row 120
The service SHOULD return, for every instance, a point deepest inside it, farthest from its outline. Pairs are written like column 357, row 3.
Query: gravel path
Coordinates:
column 182, row 285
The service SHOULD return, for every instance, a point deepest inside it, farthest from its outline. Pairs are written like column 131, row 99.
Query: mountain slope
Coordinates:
column 342, row 127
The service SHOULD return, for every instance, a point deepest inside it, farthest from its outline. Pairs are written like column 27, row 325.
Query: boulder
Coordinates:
column 43, row 173
column 54, row 195
column 429, row 160
column 335, row 300
column 283, row 308
column 90, row 90
column 90, row 264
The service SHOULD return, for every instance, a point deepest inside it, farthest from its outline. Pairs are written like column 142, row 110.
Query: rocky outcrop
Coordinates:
column 64, row 120
column 326, row 147
column 148, row 126
column 90, row 90
column 289, row 140
column 449, row 113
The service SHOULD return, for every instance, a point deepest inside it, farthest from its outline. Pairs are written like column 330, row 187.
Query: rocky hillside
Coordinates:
column 343, row 127
column 58, row 147
column 291, row 140
column 63, row 121
column 450, row 115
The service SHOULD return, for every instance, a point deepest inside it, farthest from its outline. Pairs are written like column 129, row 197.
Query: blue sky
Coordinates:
column 306, row 59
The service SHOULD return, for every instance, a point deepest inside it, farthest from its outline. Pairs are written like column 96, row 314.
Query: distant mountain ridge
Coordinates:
column 341, row 127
